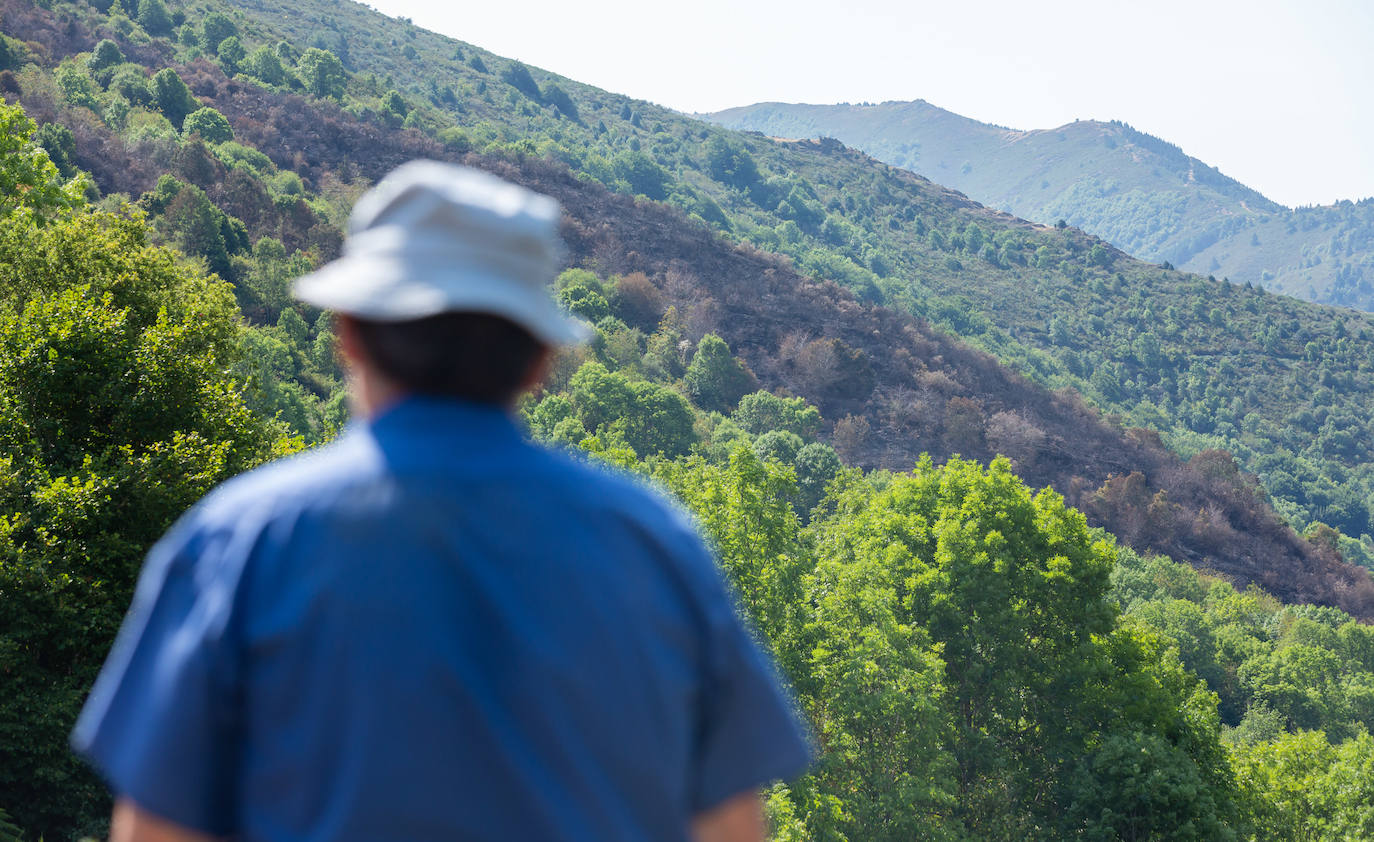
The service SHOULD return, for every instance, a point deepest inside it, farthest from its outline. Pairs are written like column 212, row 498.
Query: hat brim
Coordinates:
column 383, row 289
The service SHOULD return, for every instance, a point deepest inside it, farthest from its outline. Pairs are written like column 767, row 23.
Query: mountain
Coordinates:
column 976, row 660
column 1140, row 193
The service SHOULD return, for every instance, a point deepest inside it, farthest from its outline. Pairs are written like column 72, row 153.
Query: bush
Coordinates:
column 559, row 98
column 715, row 380
column 762, row 411
column 779, row 445
column 265, row 65
column 518, row 77
column 172, row 96
column 231, row 55
column 322, row 73
column 209, row 124
column 106, row 54
column 153, row 17
column 130, row 82
column 214, row 29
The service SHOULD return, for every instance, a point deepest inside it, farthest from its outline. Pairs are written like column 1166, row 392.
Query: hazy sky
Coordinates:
column 1275, row 93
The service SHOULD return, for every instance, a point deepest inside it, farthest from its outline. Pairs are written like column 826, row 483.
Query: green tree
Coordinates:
column 294, row 328
column 195, row 224
column 172, row 96
column 716, row 380
column 1153, row 767
column 117, row 412
column 215, row 27
column 779, row 445
column 322, row 73
column 12, row 54
column 601, row 396
column 57, row 140
column 660, row 421
column 642, row 173
column 730, row 163
column 559, row 98
column 762, row 411
column 395, row 103
column 1011, row 590
column 209, row 124
column 582, row 293
column 287, row 52
column 106, row 54
column 1301, row 787
column 265, row 289
column 546, row 415
column 743, row 509
column 518, row 76
column 153, row 17
column 29, row 181
column 130, row 82
column 817, row 464
column 879, row 697
column 1302, row 682
column 77, row 88
column 650, row 418
column 231, row 55
column 264, row 64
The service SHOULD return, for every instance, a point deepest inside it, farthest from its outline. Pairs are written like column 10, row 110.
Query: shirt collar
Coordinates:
column 422, row 429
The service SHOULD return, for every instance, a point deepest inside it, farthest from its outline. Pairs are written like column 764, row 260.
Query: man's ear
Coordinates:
column 538, row 370
column 349, row 346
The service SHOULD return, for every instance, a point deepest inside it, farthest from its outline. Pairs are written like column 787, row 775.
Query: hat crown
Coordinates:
column 434, row 237
column 412, row 189
column 428, row 206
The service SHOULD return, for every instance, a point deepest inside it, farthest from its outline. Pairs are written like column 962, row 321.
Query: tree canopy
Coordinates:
column 29, row 181
column 322, row 73
column 118, row 409
column 209, row 124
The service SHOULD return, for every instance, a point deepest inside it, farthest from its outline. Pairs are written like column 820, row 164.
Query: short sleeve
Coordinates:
column 750, row 733
column 160, row 724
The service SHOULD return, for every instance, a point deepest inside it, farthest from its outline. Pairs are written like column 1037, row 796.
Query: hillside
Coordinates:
column 931, row 395
column 1277, row 383
column 1140, row 193
column 1056, row 305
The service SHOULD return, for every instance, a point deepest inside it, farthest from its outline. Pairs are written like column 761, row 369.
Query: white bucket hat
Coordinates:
column 434, row 238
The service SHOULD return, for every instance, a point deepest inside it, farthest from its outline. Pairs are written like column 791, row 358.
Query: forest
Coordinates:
column 1009, row 637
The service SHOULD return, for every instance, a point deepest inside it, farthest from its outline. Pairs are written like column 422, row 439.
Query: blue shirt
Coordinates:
column 434, row 629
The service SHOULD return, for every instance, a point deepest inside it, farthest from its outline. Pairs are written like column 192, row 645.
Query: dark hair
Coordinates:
column 473, row 356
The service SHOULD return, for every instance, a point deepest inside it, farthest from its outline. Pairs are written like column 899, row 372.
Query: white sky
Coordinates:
column 1276, row 93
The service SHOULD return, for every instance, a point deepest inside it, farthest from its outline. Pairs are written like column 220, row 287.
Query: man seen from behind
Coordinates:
column 433, row 629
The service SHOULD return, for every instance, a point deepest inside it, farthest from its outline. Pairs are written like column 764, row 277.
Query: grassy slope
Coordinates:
column 1136, row 191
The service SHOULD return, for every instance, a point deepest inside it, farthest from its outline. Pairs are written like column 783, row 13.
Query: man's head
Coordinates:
column 474, row 357
column 443, row 286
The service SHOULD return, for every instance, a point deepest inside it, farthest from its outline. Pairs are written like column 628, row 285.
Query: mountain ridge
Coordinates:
column 1138, row 191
